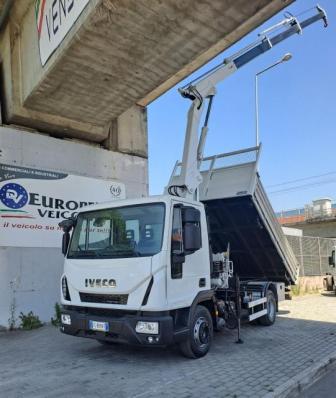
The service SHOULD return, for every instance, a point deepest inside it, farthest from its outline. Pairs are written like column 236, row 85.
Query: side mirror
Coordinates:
column 332, row 259
column 191, row 229
column 67, row 225
column 65, row 242
column 192, row 237
column 190, row 215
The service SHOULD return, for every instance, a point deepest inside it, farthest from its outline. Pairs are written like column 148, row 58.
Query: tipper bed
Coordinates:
column 240, row 214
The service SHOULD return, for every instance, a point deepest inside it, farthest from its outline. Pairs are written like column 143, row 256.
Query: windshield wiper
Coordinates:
column 86, row 253
column 104, row 253
column 120, row 252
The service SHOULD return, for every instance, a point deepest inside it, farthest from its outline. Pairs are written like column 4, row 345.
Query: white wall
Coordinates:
column 29, row 277
column 21, row 148
column 29, row 281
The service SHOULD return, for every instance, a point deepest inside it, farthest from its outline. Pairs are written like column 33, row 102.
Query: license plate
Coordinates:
column 99, row 326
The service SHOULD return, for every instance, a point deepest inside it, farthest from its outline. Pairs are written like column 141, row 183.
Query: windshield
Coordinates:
column 119, row 232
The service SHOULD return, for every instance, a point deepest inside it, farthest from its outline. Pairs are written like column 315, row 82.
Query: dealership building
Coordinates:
column 77, row 77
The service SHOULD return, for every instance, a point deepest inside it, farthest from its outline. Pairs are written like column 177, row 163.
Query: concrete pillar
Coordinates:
column 128, row 133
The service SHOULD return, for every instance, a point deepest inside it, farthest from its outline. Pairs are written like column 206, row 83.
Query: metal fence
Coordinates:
column 312, row 254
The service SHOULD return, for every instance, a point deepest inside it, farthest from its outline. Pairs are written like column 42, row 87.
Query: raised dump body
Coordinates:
column 240, row 214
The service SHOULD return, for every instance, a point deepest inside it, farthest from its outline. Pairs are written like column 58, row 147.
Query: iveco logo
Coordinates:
column 100, row 283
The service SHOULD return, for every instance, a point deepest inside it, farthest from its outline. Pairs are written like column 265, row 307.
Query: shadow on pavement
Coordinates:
column 33, row 361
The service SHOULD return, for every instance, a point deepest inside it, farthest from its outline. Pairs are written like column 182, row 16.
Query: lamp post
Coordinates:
column 285, row 58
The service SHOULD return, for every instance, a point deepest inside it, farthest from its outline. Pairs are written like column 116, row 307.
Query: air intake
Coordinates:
column 120, row 299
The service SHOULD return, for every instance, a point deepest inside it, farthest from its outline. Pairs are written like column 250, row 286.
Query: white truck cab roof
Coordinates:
column 167, row 199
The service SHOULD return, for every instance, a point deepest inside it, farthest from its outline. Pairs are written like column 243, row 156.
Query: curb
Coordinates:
column 305, row 379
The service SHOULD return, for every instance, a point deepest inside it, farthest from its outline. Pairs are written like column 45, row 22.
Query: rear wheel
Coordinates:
column 200, row 334
column 269, row 318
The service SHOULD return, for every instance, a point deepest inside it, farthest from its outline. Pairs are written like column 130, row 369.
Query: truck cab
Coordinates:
column 330, row 279
column 131, row 266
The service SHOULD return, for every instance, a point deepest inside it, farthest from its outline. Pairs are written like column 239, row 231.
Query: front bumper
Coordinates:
column 122, row 327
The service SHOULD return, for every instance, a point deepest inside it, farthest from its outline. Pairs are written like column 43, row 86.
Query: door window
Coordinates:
column 176, row 244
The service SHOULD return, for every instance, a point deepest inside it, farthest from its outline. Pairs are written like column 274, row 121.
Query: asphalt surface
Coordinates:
column 45, row 363
column 324, row 388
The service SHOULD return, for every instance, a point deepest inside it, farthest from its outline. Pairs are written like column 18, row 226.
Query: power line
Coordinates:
column 302, row 187
column 301, row 179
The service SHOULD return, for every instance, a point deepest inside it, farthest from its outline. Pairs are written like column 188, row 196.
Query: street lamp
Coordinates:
column 285, row 58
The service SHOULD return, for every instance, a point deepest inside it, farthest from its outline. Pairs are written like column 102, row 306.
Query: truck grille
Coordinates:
column 104, row 298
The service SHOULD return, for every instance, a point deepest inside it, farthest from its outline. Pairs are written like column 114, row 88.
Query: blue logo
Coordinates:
column 13, row 196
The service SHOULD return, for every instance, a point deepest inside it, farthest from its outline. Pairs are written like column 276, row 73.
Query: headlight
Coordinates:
column 147, row 327
column 66, row 319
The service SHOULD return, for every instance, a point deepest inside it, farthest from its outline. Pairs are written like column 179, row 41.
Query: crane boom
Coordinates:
column 204, row 87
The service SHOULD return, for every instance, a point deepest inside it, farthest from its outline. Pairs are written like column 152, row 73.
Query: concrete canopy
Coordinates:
column 119, row 53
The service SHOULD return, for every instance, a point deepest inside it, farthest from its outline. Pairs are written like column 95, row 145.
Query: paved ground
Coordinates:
column 44, row 363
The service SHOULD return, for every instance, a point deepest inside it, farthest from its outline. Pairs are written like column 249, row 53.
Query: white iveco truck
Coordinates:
column 173, row 268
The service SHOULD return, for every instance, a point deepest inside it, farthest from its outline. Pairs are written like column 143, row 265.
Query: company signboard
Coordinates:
column 33, row 202
column 54, row 19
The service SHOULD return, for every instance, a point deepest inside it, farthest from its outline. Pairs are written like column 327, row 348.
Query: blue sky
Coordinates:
column 297, row 115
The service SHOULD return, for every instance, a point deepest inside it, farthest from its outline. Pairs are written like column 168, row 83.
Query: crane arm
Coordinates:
column 204, row 87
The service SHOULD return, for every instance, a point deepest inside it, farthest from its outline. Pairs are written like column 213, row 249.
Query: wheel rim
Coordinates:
column 201, row 332
column 271, row 309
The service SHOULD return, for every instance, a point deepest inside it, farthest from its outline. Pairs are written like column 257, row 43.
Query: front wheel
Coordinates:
column 200, row 334
column 269, row 318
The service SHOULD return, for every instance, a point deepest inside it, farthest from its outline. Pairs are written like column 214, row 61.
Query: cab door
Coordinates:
column 188, row 271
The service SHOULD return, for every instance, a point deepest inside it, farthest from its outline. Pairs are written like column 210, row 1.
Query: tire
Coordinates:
column 269, row 318
column 200, row 334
